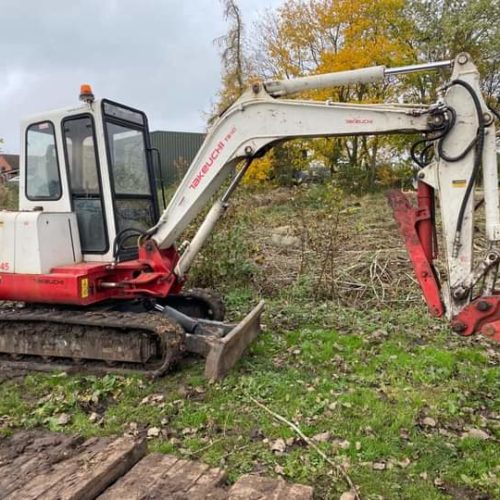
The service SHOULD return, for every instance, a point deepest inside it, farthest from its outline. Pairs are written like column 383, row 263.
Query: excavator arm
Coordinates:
column 458, row 127
column 257, row 120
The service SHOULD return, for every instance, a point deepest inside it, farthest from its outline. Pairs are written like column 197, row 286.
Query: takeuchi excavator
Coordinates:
column 92, row 274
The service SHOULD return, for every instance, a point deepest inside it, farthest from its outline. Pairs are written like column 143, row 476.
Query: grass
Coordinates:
column 375, row 379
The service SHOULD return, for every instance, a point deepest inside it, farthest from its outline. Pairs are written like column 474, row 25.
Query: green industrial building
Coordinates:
column 177, row 151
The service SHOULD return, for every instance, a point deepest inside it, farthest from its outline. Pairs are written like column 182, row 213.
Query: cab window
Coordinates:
column 134, row 199
column 42, row 168
column 84, row 180
column 128, row 160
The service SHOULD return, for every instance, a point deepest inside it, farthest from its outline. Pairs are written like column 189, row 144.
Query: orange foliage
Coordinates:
column 308, row 37
column 259, row 171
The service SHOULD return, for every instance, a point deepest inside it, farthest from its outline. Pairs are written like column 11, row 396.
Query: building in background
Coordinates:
column 177, row 151
column 9, row 167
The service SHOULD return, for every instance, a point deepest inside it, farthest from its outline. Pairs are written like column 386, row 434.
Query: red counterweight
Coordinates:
column 151, row 275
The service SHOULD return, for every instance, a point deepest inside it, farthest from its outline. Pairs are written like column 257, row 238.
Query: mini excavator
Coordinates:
column 92, row 275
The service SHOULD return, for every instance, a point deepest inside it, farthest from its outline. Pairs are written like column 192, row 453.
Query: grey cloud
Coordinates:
column 152, row 54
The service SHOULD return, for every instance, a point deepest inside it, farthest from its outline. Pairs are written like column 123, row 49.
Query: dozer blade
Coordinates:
column 223, row 344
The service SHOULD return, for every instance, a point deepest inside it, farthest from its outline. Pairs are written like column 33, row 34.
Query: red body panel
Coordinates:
column 89, row 283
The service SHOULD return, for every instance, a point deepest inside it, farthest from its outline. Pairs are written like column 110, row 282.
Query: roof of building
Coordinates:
column 177, row 151
column 12, row 160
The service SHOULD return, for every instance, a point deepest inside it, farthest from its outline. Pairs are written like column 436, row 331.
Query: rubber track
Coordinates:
column 170, row 338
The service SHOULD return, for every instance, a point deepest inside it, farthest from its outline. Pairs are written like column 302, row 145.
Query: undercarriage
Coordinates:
column 134, row 337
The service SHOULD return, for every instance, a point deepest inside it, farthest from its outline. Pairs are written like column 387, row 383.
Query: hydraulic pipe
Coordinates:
column 425, row 231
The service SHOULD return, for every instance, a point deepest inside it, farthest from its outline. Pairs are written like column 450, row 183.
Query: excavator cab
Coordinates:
column 93, row 161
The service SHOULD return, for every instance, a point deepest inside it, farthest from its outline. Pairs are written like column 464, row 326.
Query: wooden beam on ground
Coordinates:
column 85, row 475
column 256, row 487
column 36, row 465
column 165, row 476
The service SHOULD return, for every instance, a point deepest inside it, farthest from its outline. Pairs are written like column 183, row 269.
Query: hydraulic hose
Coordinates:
column 477, row 143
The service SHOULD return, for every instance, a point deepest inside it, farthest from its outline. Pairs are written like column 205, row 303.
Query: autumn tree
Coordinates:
column 305, row 37
column 318, row 36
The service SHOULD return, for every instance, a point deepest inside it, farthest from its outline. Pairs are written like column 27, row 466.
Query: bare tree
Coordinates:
column 233, row 59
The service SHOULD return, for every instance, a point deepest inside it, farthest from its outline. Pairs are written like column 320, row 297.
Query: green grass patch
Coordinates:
column 369, row 393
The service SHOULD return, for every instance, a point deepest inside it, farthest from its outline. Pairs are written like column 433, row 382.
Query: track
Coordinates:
column 46, row 339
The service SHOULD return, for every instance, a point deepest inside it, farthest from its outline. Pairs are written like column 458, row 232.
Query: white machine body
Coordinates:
column 36, row 242
column 99, row 164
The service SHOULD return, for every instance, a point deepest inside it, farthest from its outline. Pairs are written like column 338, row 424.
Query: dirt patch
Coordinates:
column 350, row 252
column 464, row 493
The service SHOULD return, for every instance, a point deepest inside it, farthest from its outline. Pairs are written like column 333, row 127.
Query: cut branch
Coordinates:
column 338, row 468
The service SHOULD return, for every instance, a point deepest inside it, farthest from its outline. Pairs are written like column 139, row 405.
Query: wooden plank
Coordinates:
column 208, row 486
column 86, row 475
column 141, row 478
column 35, row 465
column 29, row 443
column 256, row 487
column 164, row 476
column 31, row 454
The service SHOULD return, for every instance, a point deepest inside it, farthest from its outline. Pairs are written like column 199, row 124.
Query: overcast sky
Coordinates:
column 156, row 55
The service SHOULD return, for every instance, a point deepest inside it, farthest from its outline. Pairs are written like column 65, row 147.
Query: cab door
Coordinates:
column 85, row 182
column 131, row 175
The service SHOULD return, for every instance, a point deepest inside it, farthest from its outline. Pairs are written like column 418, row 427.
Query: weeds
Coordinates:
column 225, row 262
column 9, row 197
column 319, row 237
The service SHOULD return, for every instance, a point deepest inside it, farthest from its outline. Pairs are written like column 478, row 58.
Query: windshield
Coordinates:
column 128, row 160
column 134, row 200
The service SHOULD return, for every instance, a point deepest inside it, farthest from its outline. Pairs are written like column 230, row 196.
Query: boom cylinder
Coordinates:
column 490, row 186
column 419, row 67
column 200, row 237
column 281, row 88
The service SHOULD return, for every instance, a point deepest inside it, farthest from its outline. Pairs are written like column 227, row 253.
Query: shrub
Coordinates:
column 224, row 262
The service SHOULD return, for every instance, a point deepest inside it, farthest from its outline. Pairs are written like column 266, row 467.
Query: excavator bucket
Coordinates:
column 223, row 344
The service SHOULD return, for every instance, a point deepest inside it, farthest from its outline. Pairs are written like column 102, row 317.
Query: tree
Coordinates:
column 444, row 28
column 318, row 36
column 233, row 57
column 304, row 37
